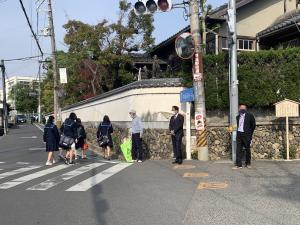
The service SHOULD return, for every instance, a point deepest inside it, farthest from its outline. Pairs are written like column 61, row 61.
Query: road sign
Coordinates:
column 187, row 95
column 197, row 71
column 199, row 122
column 63, row 75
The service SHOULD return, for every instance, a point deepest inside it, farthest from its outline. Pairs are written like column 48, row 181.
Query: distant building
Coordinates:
column 12, row 81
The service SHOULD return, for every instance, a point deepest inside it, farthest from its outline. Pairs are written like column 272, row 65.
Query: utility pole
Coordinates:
column 200, row 110
column 56, row 106
column 4, row 122
column 234, row 98
column 39, row 95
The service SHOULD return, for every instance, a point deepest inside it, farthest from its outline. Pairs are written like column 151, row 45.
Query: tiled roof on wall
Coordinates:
column 149, row 83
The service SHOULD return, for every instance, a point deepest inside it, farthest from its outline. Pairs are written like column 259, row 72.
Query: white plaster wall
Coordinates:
column 153, row 105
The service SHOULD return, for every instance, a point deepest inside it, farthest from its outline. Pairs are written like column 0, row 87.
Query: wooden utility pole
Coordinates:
column 56, row 106
column 200, row 110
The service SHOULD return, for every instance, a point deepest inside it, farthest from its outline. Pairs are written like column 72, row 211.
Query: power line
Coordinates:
column 23, row 59
column 29, row 24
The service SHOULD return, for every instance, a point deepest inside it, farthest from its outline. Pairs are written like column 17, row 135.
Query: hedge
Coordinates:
column 265, row 77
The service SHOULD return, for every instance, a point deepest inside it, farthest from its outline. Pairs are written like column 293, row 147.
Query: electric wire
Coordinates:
column 29, row 24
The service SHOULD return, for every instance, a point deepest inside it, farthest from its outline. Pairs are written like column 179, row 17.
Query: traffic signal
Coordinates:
column 151, row 6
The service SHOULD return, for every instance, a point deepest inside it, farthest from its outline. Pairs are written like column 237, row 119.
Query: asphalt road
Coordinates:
column 96, row 192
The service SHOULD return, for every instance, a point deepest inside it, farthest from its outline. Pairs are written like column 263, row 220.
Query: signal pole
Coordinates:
column 200, row 110
column 56, row 106
column 234, row 98
column 4, row 122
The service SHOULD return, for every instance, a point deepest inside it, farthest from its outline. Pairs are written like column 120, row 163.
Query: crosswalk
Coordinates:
column 58, row 174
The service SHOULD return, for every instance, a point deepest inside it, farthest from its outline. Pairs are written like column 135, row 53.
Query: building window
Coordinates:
column 246, row 45
column 224, row 43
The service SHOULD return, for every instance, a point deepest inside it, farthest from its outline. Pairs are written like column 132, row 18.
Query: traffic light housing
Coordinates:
column 151, row 6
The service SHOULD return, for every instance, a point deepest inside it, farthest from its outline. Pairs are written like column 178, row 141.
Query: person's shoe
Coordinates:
column 139, row 161
column 134, row 160
column 179, row 162
column 53, row 161
column 48, row 163
column 72, row 163
column 248, row 166
column 66, row 161
column 237, row 167
column 175, row 162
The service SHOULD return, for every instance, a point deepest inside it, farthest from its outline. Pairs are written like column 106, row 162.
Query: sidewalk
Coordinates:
column 267, row 194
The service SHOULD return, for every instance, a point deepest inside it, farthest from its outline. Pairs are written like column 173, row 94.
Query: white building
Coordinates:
column 12, row 81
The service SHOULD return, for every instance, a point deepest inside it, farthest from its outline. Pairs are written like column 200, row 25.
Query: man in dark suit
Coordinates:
column 176, row 129
column 245, row 129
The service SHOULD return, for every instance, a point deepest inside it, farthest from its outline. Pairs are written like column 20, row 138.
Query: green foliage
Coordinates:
column 26, row 98
column 265, row 77
column 97, row 55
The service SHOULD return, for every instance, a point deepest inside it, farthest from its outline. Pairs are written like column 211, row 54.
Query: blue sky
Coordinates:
column 16, row 40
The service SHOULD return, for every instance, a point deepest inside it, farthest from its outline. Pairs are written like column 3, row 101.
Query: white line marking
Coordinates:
column 40, row 128
column 1, row 169
column 67, row 176
column 17, row 171
column 109, row 161
column 92, row 181
column 22, row 163
column 32, row 137
column 36, row 149
column 2, row 162
column 32, row 176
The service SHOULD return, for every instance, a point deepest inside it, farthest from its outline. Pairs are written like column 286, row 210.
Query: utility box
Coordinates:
column 287, row 108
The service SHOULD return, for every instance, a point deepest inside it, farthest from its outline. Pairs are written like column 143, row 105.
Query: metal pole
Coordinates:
column 4, row 98
column 198, row 83
column 188, row 131
column 56, row 106
column 39, row 95
column 234, row 99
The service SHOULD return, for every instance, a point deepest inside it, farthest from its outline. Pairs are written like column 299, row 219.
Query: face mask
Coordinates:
column 242, row 111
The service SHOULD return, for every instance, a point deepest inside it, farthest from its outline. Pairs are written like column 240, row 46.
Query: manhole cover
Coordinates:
column 184, row 167
column 195, row 175
column 212, row 185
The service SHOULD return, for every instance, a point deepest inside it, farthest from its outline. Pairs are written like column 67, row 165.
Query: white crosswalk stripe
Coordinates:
column 18, row 171
column 32, row 176
column 98, row 178
column 2, row 162
column 64, row 177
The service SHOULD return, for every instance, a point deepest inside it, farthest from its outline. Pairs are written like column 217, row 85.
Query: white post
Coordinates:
column 188, row 131
column 287, row 139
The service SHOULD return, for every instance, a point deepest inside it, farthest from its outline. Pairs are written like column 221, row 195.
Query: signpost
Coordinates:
column 187, row 96
column 287, row 108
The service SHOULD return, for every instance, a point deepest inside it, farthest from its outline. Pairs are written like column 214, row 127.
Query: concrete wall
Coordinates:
column 153, row 105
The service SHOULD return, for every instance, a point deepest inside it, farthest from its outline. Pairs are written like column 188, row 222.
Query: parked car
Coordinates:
column 21, row 119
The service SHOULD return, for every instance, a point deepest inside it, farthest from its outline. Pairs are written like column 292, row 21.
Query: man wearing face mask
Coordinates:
column 136, row 135
column 176, row 129
column 245, row 129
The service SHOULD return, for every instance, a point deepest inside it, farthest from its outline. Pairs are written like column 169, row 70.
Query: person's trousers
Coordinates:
column 136, row 149
column 176, row 142
column 243, row 140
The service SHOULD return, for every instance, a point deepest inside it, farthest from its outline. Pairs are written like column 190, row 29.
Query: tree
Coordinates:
column 25, row 97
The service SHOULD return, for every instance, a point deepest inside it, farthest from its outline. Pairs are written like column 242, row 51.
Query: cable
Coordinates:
column 23, row 59
column 34, row 35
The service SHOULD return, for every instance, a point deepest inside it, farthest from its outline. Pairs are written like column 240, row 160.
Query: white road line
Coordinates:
column 32, row 176
column 109, row 161
column 67, row 176
column 1, row 169
column 36, row 149
column 40, row 128
column 92, row 181
column 32, row 137
column 22, row 163
column 18, row 171
column 2, row 162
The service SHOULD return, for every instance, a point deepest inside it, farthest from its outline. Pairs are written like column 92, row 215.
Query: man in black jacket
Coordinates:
column 245, row 129
column 176, row 129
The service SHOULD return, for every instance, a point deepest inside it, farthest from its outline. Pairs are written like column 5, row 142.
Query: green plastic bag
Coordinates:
column 126, row 149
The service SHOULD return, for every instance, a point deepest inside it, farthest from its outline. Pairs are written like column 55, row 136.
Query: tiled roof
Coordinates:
column 149, row 83
column 282, row 22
